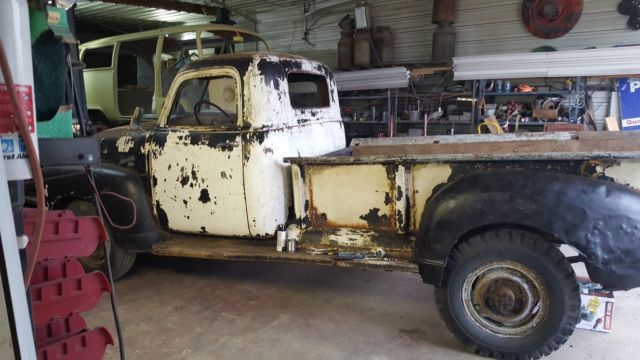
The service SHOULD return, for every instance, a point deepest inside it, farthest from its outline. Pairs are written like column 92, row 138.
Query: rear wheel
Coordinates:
column 121, row 261
column 509, row 294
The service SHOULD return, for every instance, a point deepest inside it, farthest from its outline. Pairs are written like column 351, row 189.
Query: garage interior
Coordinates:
column 319, row 179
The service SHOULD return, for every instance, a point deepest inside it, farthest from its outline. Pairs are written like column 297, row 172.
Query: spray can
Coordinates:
column 291, row 245
column 281, row 239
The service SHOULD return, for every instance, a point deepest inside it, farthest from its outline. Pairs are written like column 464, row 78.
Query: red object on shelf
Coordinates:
column 60, row 289
column 65, row 234
column 56, row 269
column 83, row 346
column 63, row 297
column 59, row 328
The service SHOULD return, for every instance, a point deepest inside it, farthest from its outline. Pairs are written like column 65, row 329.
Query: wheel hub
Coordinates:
column 505, row 298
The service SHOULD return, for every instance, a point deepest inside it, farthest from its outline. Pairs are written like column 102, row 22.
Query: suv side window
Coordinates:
column 210, row 101
column 97, row 58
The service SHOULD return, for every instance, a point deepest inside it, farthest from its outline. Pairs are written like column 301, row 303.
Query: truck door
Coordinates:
column 195, row 156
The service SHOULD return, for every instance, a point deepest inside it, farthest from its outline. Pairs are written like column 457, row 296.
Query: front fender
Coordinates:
column 68, row 183
column 600, row 219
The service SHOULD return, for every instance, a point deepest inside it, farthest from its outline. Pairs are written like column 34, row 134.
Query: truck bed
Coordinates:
column 375, row 193
column 488, row 147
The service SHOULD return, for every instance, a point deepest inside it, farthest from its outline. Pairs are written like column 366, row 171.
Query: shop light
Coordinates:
column 618, row 61
column 374, row 79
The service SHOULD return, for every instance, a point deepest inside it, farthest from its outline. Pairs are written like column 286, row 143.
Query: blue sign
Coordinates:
column 7, row 146
column 629, row 90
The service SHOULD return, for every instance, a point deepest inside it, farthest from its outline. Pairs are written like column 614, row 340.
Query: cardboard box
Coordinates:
column 541, row 114
column 596, row 310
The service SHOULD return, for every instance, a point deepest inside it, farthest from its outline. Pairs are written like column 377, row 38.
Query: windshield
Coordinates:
column 213, row 43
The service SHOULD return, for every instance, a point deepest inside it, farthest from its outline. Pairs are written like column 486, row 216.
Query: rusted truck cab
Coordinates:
column 214, row 159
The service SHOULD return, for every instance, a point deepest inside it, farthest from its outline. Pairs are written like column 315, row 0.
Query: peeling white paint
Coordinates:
column 287, row 132
column 267, row 106
column 125, row 144
column 424, row 178
column 626, row 173
column 355, row 238
column 208, row 203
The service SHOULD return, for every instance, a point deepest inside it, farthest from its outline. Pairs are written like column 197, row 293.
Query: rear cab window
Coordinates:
column 308, row 91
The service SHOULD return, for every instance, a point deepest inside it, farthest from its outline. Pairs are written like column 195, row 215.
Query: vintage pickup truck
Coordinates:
column 247, row 144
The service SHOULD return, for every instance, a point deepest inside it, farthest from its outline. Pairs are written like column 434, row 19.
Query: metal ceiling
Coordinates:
column 128, row 17
column 124, row 18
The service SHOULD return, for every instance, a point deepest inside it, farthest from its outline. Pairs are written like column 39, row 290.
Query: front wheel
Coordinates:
column 121, row 260
column 509, row 294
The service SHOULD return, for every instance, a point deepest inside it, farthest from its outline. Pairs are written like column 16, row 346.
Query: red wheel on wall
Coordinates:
column 551, row 19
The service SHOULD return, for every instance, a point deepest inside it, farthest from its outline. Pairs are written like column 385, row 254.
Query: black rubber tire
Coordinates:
column 121, row 261
column 537, row 254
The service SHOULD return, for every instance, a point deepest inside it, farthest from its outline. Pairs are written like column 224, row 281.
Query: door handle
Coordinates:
column 227, row 145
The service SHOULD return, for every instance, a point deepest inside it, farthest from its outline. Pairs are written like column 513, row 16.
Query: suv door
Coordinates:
column 195, row 156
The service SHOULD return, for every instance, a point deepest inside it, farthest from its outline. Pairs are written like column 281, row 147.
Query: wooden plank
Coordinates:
column 423, row 71
column 586, row 142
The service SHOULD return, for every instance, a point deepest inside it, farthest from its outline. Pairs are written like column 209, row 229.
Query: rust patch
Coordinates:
column 400, row 218
column 194, row 174
column 184, row 180
column 388, row 200
column 374, row 219
column 204, row 196
column 391, row 171
column 319, row 219
column 399, row 193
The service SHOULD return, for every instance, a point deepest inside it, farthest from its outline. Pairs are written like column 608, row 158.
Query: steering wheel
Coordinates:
column 196, row 110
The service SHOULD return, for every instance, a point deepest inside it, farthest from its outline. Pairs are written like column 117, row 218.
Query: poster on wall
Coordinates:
column 629, row 89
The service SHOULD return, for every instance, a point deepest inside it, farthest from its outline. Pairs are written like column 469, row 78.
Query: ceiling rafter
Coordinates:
column 171, row 5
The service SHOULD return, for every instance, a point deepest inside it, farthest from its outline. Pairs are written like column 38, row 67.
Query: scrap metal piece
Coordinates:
column 551, row 19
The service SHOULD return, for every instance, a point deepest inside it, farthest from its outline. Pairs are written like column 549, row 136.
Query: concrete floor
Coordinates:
column 191, row 309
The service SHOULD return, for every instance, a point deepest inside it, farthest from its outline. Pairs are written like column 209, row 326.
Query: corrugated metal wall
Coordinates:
column 484, row 27
column 494, row 26
column 410, row 21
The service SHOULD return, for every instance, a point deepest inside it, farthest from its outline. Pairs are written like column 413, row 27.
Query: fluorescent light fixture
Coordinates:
column 618, row 61
column 374, row 79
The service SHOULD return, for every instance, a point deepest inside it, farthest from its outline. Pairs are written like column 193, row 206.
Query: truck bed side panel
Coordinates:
column 357, row 197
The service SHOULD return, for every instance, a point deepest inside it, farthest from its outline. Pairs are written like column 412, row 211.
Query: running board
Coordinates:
column 262, row 250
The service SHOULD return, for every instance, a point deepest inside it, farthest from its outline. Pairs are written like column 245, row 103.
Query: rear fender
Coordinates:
column 600, row 219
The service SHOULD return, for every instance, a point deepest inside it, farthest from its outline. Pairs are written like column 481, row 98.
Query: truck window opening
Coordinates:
column 308, row 91
column 214, row 99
